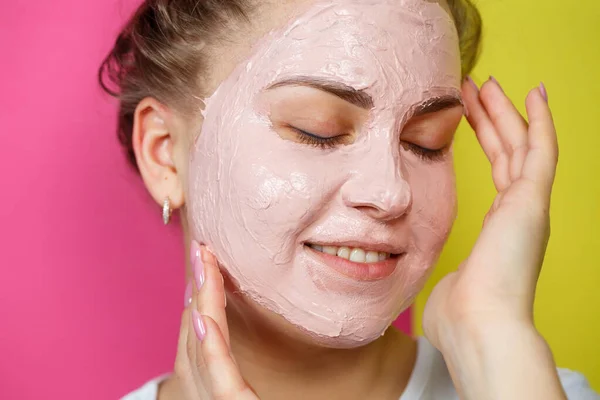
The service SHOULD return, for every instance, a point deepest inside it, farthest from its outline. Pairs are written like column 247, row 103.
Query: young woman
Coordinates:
column 307, row 145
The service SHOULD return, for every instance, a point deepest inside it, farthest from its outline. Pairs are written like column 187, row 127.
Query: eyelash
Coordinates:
column 425, row 153
column 330, row 142
column 318, row 141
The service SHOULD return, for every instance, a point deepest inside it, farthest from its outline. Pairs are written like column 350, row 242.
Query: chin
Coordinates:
column 345, row 342
column 261, row 321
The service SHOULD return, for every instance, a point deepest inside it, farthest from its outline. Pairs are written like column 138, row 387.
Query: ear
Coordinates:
column 153, row 143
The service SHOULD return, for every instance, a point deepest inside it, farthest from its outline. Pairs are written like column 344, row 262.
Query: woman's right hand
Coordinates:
column 204, row 366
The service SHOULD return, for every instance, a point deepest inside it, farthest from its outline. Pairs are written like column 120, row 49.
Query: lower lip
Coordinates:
column 359, row 271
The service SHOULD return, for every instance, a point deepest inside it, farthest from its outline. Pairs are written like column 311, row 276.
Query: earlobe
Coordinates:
column 153, row 144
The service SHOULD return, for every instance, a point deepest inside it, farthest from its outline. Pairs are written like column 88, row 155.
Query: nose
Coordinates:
column 383, row 195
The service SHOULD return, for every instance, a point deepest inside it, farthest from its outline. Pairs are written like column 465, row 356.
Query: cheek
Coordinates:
column 430, row 220
column 278, row 190
column 434, row 206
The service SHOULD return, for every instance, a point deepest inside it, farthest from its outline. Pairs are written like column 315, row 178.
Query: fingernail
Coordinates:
column 198, row 325
column 496, row 82
column 543, row 91
column 194, row 251
column 472, row 82
column 197, row 264
column 187, row 299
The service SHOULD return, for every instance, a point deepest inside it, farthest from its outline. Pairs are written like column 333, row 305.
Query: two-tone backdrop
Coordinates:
column 91, row 282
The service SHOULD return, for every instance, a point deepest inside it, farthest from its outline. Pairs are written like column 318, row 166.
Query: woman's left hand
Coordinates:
column 481, row 316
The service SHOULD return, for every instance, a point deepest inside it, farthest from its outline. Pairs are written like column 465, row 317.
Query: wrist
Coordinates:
column 501, row 360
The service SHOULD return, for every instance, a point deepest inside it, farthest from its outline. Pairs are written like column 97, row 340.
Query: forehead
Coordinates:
column 408, row 45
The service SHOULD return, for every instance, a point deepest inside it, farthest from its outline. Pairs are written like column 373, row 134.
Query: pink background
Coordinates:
column 91, row 283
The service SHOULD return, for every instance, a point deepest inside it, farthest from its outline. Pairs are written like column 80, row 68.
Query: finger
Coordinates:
column 185, row 371
column 193, row 349
column 486, row 135
column 510, row 125
column 194, row 352
column 211, row 299
column 200, row 372
column 542, row 157
column 226, row 380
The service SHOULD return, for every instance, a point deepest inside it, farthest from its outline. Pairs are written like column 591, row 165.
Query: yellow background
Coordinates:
column 557, row 42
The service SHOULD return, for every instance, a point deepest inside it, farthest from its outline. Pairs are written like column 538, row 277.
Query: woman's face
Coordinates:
column 323, row 177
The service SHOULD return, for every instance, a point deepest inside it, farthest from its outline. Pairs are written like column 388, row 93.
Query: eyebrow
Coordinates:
column 363, row 100
column 437, row 104
column 357, row 97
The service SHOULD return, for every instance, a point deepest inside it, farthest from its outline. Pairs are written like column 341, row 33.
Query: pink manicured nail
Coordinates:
column 198, row 325
column 197, row 264
column 194, row 251
column 472, row 82
column 496, row 82
column 187, row 299
column 543, row 91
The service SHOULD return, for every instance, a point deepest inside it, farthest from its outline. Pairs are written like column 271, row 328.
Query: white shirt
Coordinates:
column 430, row 380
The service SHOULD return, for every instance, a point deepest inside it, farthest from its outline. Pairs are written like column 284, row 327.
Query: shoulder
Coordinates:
column 147, row 392
column 435, row 383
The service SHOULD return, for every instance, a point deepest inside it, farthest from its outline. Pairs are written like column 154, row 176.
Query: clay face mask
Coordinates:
column 266, row 204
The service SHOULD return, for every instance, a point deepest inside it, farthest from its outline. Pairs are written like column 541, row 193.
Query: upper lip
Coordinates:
column 365, row 245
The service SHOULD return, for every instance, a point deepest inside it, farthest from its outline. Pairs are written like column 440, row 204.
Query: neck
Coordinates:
column 284, row 364
column 279, row 365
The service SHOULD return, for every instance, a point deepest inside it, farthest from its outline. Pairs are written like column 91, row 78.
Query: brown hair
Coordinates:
column 161, row 52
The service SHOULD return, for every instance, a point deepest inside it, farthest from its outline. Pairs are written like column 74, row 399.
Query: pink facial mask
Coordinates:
column 256, row 199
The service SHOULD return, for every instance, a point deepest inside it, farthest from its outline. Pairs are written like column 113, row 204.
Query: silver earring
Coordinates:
column 166, row 211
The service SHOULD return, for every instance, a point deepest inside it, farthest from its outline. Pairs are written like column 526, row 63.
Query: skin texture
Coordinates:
column 472, row 315
column 254, row 199
column 249, row 352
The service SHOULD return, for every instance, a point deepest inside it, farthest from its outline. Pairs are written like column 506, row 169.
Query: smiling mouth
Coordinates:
column 354, row 254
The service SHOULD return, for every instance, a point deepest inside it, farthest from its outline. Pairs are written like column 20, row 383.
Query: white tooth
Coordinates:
column 357, row 255
column 372, row 257
column 344, row 252
column 330, row 250
column 317, row 247
column 383, row 256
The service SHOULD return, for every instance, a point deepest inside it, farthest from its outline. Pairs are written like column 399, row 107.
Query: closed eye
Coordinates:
column 425, row 153
column 316, row 140
column 430, row 136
